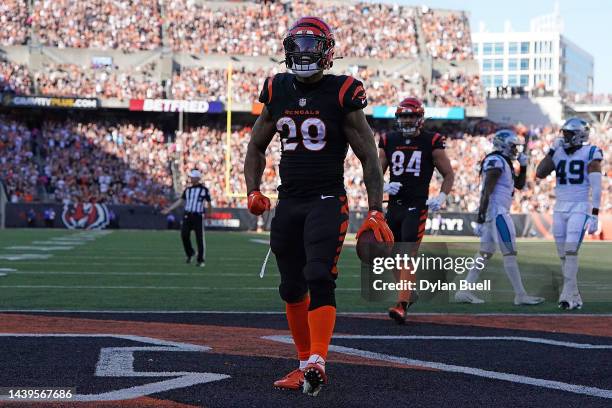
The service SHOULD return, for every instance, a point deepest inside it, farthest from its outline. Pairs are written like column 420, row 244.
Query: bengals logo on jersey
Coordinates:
column 85, row 216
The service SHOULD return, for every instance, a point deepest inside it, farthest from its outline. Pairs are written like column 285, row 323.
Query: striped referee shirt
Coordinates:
column 194, row 197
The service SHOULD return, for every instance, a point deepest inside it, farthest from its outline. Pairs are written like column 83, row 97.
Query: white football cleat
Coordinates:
column 314, row 375
column 465, row 296
column 570, row 302
column 527, row 300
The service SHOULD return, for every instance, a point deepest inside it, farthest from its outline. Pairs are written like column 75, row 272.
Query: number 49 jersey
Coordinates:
column 411, row 163
column 572, row 175
column 309, row 119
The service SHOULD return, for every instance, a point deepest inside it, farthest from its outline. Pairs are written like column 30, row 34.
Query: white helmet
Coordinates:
column 506, row 141
column 575, row 132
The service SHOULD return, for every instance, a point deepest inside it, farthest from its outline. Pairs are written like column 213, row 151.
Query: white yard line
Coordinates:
column 480, row 338
column 515, row 378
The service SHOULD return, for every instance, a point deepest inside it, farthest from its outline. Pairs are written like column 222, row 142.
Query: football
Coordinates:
column 369, row 248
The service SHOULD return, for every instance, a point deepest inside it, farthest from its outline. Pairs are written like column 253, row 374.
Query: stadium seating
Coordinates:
column 132, row 163
column 14, row 19
column 125, row 25
column 406, row 51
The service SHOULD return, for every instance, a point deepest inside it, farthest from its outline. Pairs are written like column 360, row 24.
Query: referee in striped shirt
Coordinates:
column 193, row 197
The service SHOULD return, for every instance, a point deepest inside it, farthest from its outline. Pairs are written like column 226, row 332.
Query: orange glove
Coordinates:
column 376, row 222
column 258, row 203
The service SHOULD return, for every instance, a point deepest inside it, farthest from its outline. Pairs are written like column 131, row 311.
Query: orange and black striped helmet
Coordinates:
column 309, row 46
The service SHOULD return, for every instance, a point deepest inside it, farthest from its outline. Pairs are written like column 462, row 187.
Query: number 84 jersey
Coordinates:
column 411, row 163
column 572, row 176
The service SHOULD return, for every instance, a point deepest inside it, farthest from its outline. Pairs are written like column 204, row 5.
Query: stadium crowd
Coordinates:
column 102, row 82
column 382, row 88
column 15, row 78
column 241, row 28
column 125, row 25
column 256, row 29
column 133, row 163
column 447, row 35
column 456, row 89
column 120, row 163
column 14, row 21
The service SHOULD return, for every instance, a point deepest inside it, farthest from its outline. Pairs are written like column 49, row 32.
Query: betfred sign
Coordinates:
column 175, row 105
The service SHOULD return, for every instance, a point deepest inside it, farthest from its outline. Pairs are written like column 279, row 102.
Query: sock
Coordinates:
column 297, row 317
column 474, row 272
column 404, row 296
column 512, row 270
column 570, row 272
column 558, row 278
column 321, row 322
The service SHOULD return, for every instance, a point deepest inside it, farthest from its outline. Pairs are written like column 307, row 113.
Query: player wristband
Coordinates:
column 595, row 211
column 375, row 208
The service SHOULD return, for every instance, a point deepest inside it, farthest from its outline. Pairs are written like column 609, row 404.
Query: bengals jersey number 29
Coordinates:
column 309, row 119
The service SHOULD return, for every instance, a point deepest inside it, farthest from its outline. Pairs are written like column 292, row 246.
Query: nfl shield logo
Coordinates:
column 302, row 102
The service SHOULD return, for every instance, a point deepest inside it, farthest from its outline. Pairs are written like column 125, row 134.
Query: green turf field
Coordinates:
column 145, row 270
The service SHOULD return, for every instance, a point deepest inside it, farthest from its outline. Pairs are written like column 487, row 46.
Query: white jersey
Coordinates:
column 500, row 200
column 573, row 186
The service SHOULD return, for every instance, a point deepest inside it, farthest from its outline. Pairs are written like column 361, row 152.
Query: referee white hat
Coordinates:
column 195, row 173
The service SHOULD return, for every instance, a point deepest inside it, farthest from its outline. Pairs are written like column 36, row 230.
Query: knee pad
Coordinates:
column 292, row 292
column 322, row 293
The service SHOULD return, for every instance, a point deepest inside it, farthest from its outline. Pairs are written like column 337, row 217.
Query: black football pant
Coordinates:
column 407, row 222
column 193, row 221
column 306, row 237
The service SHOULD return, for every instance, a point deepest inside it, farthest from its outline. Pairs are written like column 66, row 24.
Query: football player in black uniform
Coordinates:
column 317, row 116
column 411, row 154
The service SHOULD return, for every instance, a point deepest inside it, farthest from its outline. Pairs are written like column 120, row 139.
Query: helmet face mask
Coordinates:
column 507, row 143
column 409, row 117
column 309, row 47
column 575, row 132
column 408, row 123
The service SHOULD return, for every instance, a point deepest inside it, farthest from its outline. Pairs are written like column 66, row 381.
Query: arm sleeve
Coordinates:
column 595, row 181
column 265, row 96
column 207, row 195
column 352, row 95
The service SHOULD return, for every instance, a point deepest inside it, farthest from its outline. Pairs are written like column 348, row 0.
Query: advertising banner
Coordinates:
column 175, row 105
column 59, row 102
column 452, row 113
